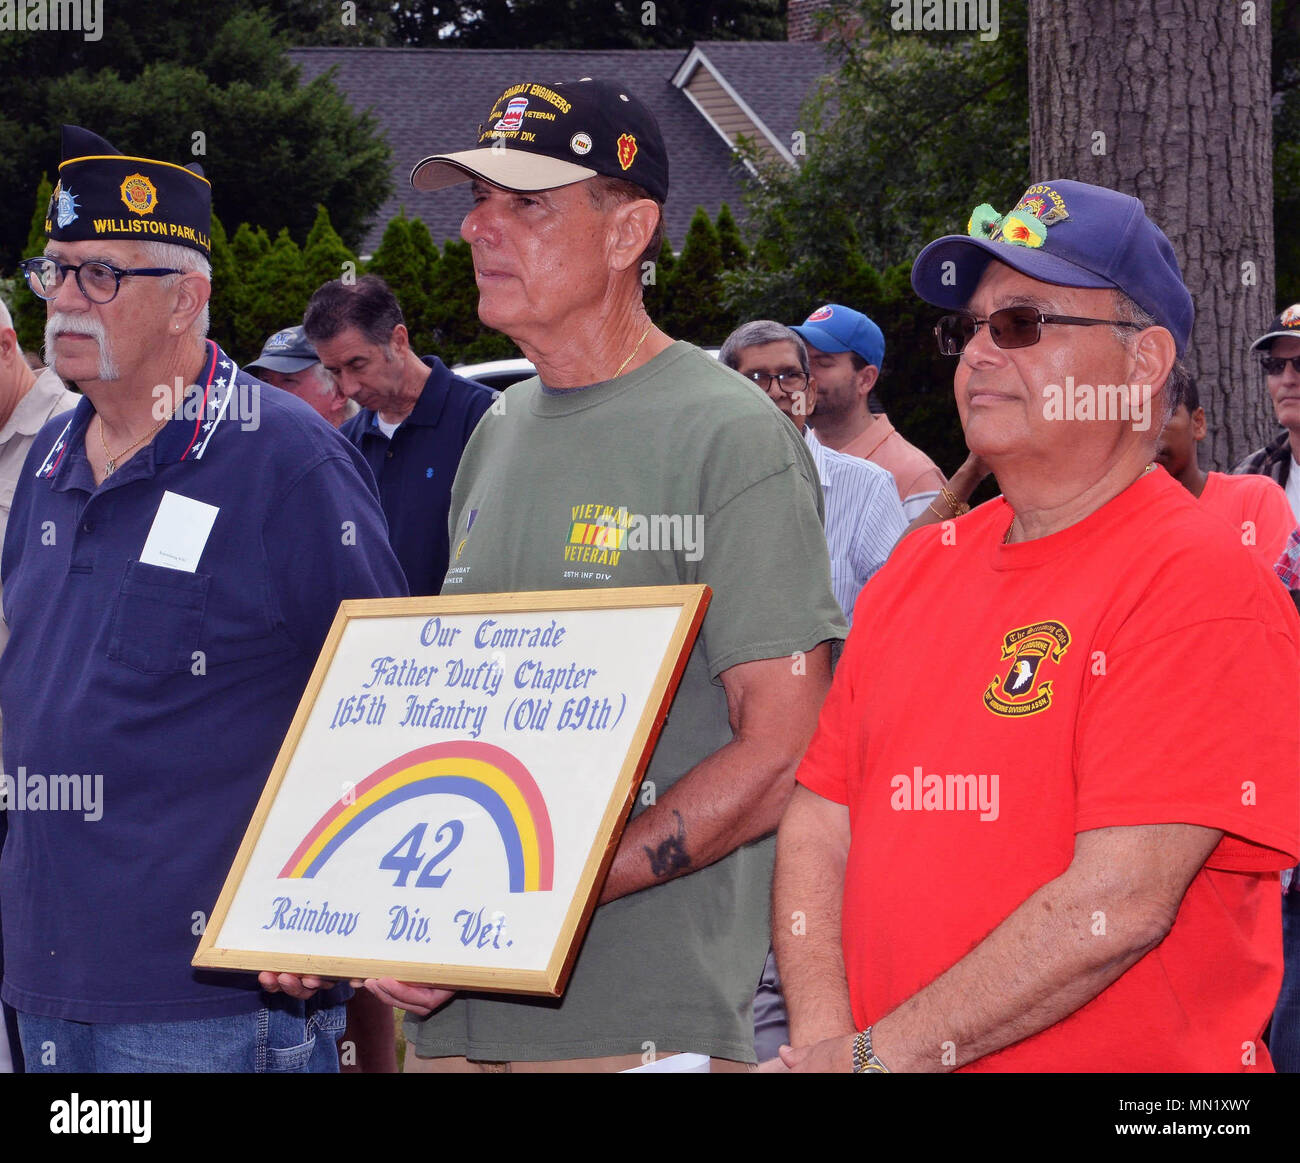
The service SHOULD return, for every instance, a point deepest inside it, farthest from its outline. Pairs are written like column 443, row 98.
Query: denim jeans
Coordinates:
column 1284, row 1038
column 284, row 1036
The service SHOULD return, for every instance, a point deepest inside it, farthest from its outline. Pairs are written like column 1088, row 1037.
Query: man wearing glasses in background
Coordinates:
column 173, row 562
column 998, row 864
column 1279, row 349
column 864, row 517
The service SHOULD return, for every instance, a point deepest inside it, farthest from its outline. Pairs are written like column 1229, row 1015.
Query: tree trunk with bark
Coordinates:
column 1169, row 100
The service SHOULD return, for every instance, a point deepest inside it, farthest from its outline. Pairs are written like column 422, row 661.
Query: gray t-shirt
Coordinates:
column 536, row 506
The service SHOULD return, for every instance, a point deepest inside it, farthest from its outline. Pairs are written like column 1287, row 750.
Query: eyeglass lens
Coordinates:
column 1275, row 365
column 97, row 280
column 1009, row 328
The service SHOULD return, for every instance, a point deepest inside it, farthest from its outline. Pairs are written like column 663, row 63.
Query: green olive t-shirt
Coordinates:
column 673, row 967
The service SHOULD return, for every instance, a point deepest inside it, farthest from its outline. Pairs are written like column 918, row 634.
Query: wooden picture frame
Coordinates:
column 554, row 702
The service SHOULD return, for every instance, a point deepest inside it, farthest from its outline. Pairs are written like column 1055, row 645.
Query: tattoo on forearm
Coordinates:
column 670, row 856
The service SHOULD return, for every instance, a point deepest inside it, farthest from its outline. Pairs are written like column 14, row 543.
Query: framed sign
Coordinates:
column 449, row 796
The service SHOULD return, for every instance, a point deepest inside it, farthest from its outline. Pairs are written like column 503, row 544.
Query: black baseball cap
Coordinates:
column 1285, row 326
column 537, row 137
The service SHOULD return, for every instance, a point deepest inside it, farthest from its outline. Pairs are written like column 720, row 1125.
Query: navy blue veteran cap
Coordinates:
column 286, row 351
column 834, row 328
column 537, row 137
column 1071, row 234
column 103, row 193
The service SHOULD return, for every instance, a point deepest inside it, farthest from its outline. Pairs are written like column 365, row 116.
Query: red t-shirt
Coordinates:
column 1136, row 668
column 1256, row 507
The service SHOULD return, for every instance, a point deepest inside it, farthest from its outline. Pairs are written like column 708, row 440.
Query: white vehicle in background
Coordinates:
column 501, row 373
column 497, row 373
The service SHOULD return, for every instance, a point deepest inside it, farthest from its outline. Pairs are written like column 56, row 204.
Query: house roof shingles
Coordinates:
column 432, row 100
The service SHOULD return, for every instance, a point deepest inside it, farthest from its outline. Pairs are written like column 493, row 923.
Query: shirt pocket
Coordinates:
column 158, row 620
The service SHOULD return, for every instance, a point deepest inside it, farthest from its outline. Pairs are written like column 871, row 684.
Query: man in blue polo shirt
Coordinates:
column 175, row 555
column 416, row 416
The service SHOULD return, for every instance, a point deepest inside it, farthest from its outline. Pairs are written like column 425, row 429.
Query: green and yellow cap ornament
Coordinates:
column 1069, row 233
column 103, row 193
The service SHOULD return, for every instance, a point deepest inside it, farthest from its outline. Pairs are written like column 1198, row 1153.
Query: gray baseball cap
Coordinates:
column 287, row 351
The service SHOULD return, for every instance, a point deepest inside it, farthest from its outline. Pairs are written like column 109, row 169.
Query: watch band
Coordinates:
column 864, row 1058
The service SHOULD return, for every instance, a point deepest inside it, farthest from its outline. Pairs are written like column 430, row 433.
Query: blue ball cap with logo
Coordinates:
column 1071, row 234
column 834, row 328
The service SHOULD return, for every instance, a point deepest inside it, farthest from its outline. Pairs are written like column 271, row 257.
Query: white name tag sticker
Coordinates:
column 179, row 532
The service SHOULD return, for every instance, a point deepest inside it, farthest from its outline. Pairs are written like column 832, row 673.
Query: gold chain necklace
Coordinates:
column 110, row 465
column 637, row 348
column 1007, row 539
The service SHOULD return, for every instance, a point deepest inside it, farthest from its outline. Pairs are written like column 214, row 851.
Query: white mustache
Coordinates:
column 77, row 324
column 63, row 321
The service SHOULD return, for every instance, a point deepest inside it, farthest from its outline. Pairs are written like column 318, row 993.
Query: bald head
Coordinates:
column 16, row 378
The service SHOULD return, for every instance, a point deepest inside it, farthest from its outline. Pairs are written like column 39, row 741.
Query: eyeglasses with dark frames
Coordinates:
column 1274, row 365
column 788, row 382
column 1009, row 328
column 98, row 281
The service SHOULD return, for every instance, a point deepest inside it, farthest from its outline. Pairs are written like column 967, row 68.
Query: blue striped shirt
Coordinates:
column 864, row 519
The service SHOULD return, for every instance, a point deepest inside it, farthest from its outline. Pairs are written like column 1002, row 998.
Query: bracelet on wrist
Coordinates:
column 957, row 507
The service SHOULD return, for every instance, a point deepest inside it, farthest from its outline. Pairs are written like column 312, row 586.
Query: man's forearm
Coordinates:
column 729, row 798
column 1057, row 951
column 807, row 896
column 737, row 793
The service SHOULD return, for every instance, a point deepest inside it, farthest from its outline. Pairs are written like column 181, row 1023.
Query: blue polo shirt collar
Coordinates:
column 185, row 437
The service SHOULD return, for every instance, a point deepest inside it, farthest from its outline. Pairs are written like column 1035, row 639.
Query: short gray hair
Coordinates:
column 1175, row 382
column 755, row 334
column 187, row 260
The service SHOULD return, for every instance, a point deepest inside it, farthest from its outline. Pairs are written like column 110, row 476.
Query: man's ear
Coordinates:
column 8, row 344
column 192, row 292
column 400, row 341
column 1198, row 424
column 1152, row 355
column 633, row 225
column 866, row 379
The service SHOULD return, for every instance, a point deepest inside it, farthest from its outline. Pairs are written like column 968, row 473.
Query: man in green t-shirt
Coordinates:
column 633, row 460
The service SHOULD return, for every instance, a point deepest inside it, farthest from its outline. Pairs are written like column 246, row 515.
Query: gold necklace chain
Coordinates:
column 637, row 348
column 110, row 465
column 1007, row 539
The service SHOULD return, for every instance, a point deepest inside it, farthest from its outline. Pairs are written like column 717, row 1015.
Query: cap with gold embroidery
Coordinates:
column 537, row 137
column 1072, row 234
column 103, row 193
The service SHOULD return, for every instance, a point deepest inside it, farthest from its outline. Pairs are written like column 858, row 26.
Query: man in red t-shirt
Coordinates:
column 1254, row 506
column 1005, row 852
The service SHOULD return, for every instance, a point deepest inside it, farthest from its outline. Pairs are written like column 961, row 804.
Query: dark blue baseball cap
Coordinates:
column 834, row 328
column 287, row 351
column 1073, row 235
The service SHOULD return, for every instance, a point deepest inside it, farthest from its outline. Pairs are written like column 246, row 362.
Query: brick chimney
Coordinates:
column 801, row 20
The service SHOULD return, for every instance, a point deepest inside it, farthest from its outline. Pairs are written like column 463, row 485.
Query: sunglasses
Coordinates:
column 1275, row 365
column 1009, row 328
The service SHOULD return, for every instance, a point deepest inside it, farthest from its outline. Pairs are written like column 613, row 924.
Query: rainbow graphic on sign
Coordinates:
column 490, row 776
